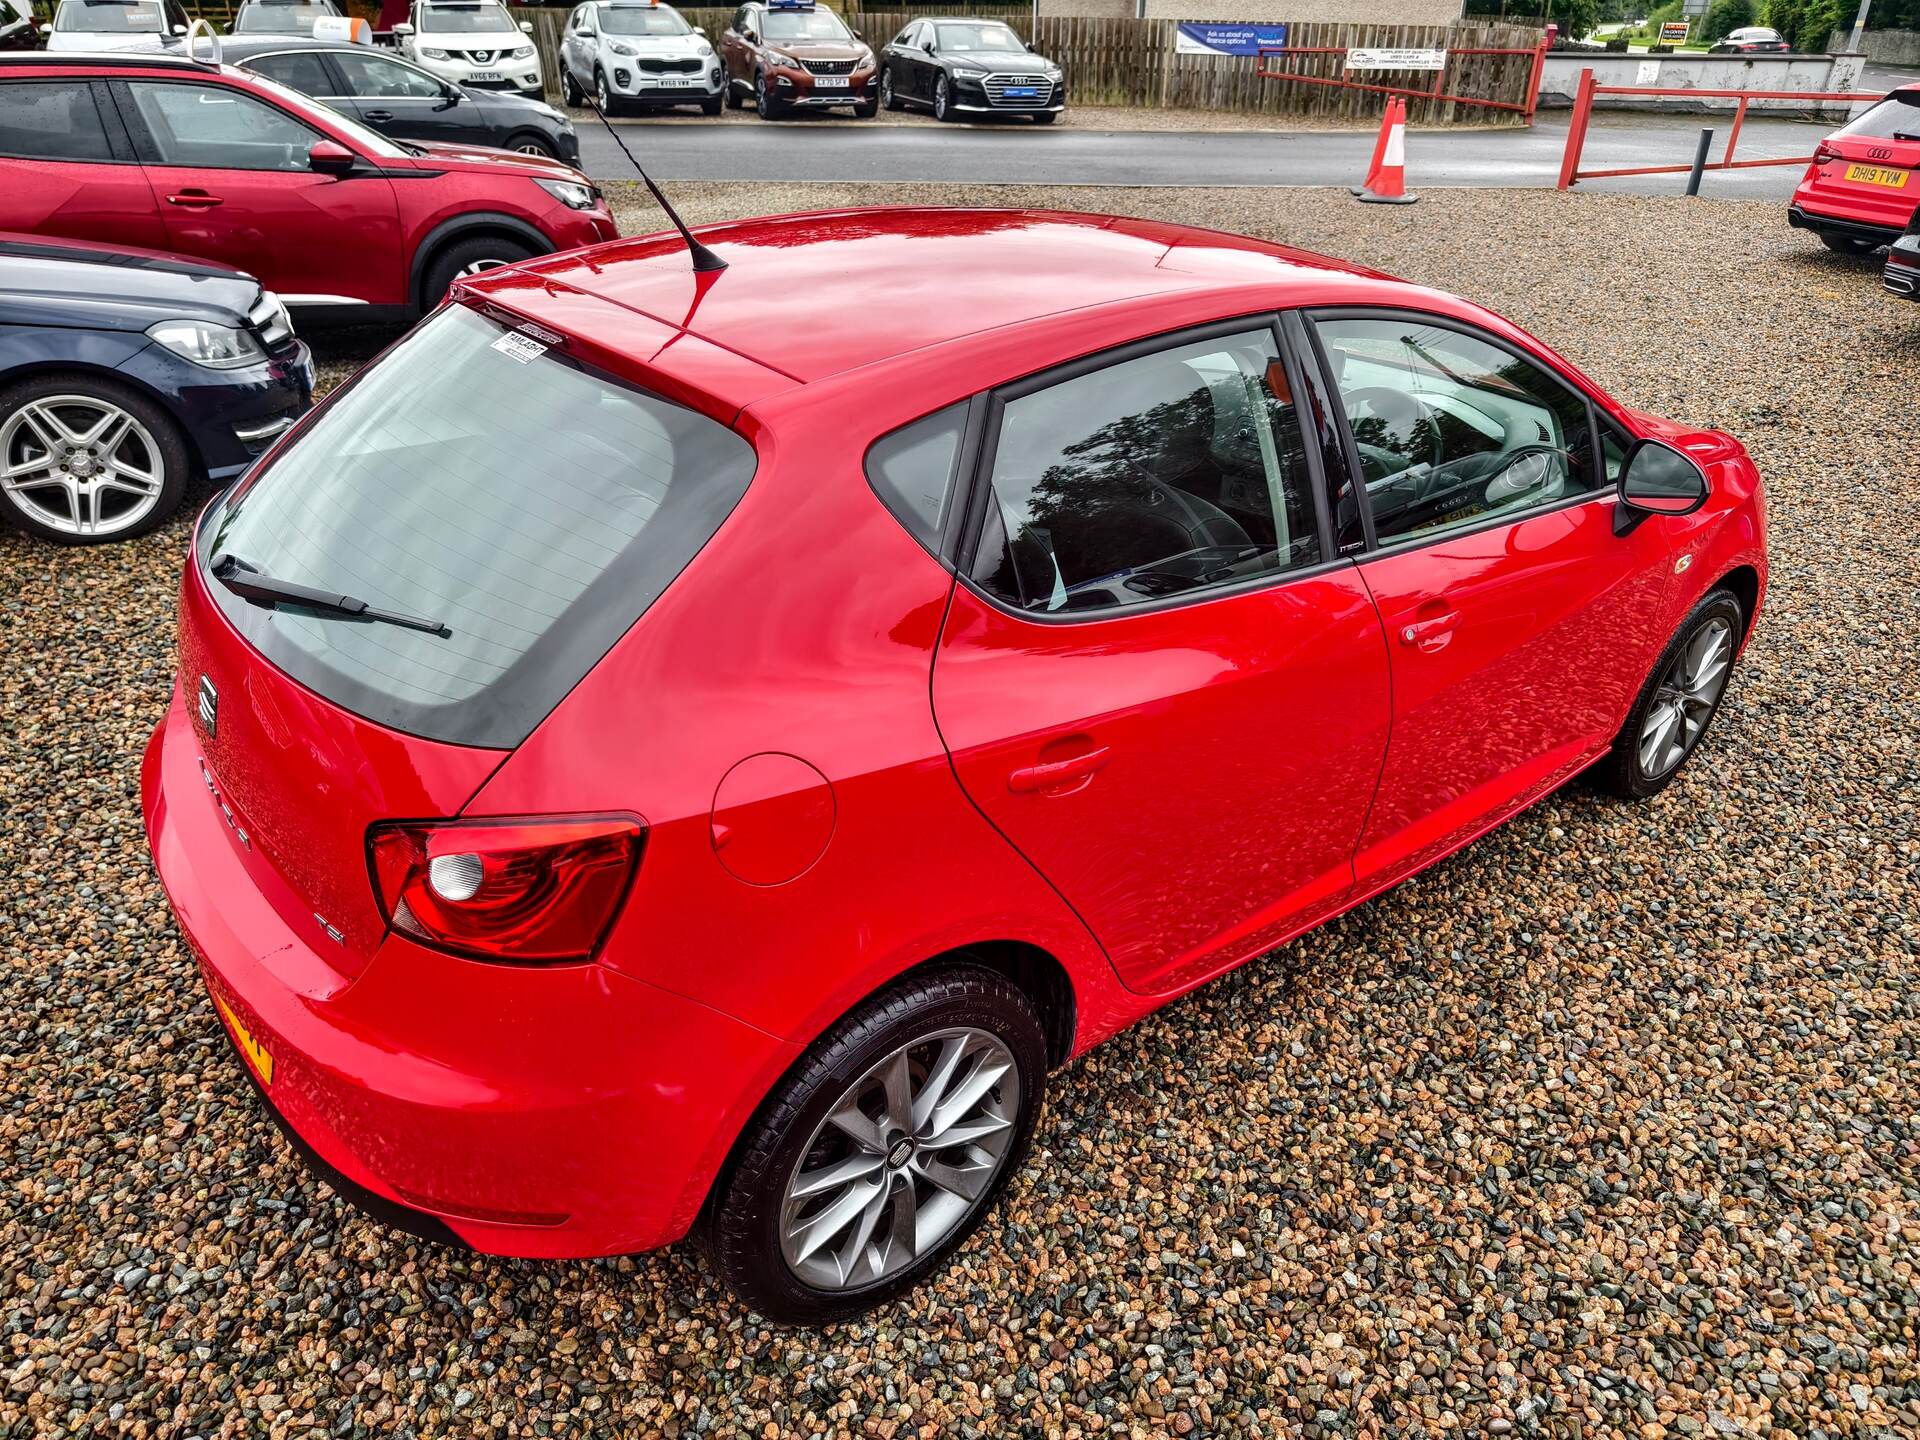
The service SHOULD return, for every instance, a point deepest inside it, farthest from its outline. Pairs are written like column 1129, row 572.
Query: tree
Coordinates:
column 1726, row 16
column 1804, row 24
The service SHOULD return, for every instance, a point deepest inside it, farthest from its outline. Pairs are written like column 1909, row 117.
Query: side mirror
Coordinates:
column 699, row 29
column 403, row 30
column 1657, row 479
column 526, row 27
column 328, row 157
column 179, row 29
column 450, row 96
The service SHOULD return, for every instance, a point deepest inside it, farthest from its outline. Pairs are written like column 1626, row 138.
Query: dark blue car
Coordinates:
column 123, row 373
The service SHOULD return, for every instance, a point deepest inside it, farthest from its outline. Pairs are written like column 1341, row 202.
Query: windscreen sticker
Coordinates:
column 518, row 347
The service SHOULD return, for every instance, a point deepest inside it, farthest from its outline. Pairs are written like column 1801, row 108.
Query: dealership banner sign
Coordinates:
column 1396, row 59
column 1203, row 39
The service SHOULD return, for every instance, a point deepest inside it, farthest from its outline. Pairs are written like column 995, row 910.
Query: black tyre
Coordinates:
column 1847, row 245
column 529, row 142
column 1046, row 117
column 887, row 96
column 840, row 1195
column 466, row 258
column 88, row 459
column 735, row 100
column 867, row 109
column 603, row 96
column 570, row 90
column 710, row 107
column 942, row 100
column 1678, row 703
column 764, row 105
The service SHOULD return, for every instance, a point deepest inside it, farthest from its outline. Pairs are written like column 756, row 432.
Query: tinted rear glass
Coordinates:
column 1896, row 117
column 533, row 505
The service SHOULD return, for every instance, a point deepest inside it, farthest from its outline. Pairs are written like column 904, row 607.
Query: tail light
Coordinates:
column 544, row 889
column 1824, row 152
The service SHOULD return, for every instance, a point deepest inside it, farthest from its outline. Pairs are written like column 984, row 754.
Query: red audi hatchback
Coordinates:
column 1863, row 187
column 661, row 749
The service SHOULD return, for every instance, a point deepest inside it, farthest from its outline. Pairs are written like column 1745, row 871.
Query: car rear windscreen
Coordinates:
column 531, row 504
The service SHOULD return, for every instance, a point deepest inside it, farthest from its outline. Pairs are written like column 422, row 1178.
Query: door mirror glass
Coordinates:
column 330, row 158
column 1660, row 480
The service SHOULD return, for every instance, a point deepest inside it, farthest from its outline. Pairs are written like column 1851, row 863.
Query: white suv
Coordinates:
column 637, row 52
column 472, row 42
column 97, row 25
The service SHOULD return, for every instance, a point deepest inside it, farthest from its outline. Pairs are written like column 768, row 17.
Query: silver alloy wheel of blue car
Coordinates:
column 80, row 464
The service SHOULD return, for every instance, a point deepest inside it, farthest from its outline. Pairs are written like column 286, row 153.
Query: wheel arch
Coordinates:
column 34, row 369
column 1743, row 583
column 468, row 226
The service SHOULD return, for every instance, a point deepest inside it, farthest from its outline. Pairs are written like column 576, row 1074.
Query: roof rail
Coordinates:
column 131, row 59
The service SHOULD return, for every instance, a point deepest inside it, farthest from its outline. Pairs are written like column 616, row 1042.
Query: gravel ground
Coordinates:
column 1604, row 1127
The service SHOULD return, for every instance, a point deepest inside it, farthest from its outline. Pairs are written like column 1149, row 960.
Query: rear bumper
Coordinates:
column 1902, row 272
column 533, row 1111
column 1801, row 218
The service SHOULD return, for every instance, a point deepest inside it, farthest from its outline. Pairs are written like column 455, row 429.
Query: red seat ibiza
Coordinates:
column 661, row 748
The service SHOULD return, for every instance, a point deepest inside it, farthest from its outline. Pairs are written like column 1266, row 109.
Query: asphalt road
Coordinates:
column 1019, row 153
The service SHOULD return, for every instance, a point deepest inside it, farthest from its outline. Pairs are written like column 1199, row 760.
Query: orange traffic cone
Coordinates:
column 1387, row 176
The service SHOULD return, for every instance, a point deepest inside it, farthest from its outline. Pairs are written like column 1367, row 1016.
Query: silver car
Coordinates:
column 633, row 54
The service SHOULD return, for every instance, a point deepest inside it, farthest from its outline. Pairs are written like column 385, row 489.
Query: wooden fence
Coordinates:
column 1135, row 62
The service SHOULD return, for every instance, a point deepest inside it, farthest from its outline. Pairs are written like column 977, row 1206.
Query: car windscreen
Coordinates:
column 533, row 505
column 1895, row 118
column 281, row 19
column 464, row 20
column 114, row 17
column 805, row 25
column 957, row 39
column 635, row 20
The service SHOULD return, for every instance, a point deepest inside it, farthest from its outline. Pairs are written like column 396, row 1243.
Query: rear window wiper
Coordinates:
column 247, row 580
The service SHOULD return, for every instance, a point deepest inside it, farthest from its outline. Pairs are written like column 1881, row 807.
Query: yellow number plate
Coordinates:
column 1884, row 175
column 255, row 1052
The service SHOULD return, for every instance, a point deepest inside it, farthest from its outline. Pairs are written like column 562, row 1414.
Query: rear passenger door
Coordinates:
column 396, row 99
column 231, row 176
column 67, row 168
column 1154, row 678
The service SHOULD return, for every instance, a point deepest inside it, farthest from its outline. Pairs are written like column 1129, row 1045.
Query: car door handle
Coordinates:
column 1055, row 773
column 194, row 200
column 1432, row 629
column 378, row 117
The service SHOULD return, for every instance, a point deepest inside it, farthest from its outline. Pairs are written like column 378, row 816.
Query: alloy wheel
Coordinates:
column 479, row 267
column 1684, row 699
column 940, row 99
column 886, row 90
column 901, row 1160
column 80, row 465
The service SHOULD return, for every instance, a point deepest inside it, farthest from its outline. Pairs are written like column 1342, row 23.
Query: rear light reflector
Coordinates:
column 533, row 890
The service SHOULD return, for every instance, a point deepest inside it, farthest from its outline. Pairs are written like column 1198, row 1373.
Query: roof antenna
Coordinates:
column 704, row 260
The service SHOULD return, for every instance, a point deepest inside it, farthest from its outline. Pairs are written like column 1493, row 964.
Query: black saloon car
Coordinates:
column 961, row 69
column 1902, row 272
column 125, row 372
column 398, row 98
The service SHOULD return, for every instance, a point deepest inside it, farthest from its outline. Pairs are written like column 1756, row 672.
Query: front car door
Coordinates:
column 67, row 167
column 231, row 175
column 1154, row 677
column 399, row 99
column 1520, row 625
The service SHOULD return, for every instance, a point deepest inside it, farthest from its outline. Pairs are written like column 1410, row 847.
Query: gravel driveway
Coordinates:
column 1604, row 1127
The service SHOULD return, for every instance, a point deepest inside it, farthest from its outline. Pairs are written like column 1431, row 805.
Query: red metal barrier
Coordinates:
column 1438, row 90
column 1570, row 170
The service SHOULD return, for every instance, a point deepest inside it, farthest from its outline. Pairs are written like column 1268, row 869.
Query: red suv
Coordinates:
column 218, row 163
column 1863, row 187
column 738, row 812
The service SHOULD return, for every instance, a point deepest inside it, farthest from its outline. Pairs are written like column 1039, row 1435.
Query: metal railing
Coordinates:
column 1570, row 171
column 1526, row 105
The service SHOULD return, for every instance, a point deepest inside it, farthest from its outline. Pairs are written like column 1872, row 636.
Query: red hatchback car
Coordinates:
column 635, row 764
column 1863, row 187
column 221, row 164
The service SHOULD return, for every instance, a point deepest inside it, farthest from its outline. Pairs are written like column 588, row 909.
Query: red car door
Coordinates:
column 1520, row 626
column 1153, row 681
column 230, row 173
column 67, row 169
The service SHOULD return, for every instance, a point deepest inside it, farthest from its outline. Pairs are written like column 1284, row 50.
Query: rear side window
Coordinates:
column 1895, row 118
column 51, row 120
column 304, row 70
column 911, row 470
column 533, row 505
column 374, row 77
column 1156, row 477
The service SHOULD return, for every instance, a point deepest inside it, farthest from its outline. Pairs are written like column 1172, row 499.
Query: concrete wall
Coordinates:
column 1883, row 47
column 1367, row 12
column 1812, row 73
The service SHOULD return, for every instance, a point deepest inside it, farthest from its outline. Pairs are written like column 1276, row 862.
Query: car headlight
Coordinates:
column 435, row 55
column 525, row 52
column 865, row 58
column 968, row 72
column 570, row 193
column 218, row 347
column 782, row 62
column 703, row 48
column 619, row 49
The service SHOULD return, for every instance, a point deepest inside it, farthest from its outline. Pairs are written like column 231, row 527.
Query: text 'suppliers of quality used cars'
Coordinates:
column 734, row 816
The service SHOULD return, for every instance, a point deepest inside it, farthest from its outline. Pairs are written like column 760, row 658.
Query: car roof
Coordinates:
column 815, row 294
column 83, row 59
